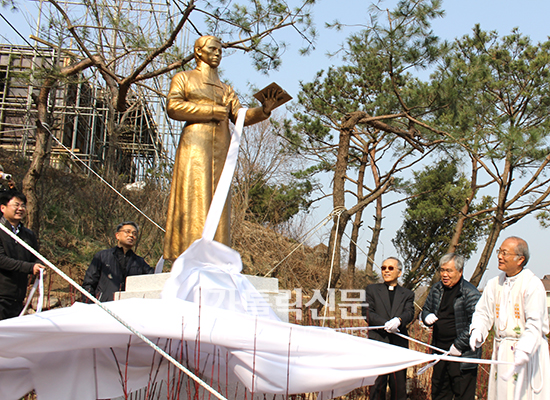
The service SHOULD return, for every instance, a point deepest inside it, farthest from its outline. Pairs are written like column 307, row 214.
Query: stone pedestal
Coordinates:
column 150, row 287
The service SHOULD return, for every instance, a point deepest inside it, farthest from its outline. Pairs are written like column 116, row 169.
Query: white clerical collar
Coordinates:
column 510, row 280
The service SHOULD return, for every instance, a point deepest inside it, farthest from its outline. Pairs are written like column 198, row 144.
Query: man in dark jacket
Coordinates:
column 109, row 268
column 449, row 308
column 16, row 262
column 391, row 306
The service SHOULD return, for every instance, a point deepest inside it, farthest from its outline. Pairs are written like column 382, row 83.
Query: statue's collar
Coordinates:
column 208, row 74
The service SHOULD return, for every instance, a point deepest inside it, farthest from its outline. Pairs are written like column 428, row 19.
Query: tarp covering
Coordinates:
column 77, row 352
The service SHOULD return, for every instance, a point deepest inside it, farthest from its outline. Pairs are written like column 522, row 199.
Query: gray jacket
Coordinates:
column 464, row 307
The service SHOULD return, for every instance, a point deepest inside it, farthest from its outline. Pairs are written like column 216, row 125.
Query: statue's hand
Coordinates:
column 270, row 100
column 220, row 113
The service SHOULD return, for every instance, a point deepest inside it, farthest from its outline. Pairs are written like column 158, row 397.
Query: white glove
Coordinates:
column 430, row 319
column 392, row 325
column 520, row 359
column 453, row 351
column 476, row 339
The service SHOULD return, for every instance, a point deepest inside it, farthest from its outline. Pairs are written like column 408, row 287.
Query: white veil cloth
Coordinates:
column 83, row 353
column 210, row 318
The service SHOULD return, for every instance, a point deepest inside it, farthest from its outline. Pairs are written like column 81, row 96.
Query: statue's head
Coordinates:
column 209, row 50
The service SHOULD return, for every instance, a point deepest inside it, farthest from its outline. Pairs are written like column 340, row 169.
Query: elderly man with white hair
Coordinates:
column 514, row 303
column 448, row 309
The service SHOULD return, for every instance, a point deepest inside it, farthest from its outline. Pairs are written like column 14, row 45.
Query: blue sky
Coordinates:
column 530, row 16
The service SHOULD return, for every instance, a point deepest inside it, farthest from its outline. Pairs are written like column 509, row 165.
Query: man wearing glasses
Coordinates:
column 16, row 262
column 109, row 268
column 390, row 306
column 514, row 304
column 448, row 309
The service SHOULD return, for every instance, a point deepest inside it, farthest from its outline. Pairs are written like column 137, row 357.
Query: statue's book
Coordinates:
column 282, row 95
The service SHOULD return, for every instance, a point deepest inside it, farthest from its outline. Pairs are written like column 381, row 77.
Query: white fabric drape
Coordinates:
column 66, row 353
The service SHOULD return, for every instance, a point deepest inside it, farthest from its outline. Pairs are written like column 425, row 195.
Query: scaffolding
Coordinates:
column 145, row 137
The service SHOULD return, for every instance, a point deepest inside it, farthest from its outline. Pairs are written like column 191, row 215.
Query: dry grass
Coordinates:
column 264, row 251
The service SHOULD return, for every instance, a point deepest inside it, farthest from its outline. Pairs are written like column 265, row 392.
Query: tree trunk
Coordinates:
column 497, row 226
column 376, row 230
column 352, row 258
column 42, row 145
column 487, row 252
column 338, row 201
column 41, row 151
column 465, row 209
column 377, row 217
column 357, row 221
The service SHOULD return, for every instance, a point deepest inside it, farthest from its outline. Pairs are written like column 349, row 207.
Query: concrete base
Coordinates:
column 150, row 287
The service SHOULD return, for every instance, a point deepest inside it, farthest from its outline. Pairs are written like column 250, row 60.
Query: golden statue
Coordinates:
column 206, row 104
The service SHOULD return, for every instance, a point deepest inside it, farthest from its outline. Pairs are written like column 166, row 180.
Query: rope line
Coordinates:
column 112, row 314
column 362, row 251
column 310, row 234
column 336, row 212
column 46, row 126
column 420, row 342
column 360, row 328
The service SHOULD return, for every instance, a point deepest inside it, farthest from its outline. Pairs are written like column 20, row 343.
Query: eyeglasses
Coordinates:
column 389, row 268
column 504, row 253
column 129, row 232
column 446, row 271
column 18, row 205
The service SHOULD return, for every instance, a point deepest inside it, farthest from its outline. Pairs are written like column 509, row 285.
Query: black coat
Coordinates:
column 464, row 307
column 378, row 311
column 105, row 275
column 16, row 262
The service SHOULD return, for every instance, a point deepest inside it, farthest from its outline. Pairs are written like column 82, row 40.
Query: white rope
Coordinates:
column 419, row 342
column 443, row 356
column 338, row 212
column 360, row 328
column 421, row 370
column 46, row 126
column 112, row 314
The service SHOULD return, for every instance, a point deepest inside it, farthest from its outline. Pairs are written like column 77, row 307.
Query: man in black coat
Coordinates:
column 449, row 308
column 16, row 262
column 109, row 268
column 391, row 306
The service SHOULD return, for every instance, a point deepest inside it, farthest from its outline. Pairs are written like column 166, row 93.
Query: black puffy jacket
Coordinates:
column 464, row 307
column 105, row 276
